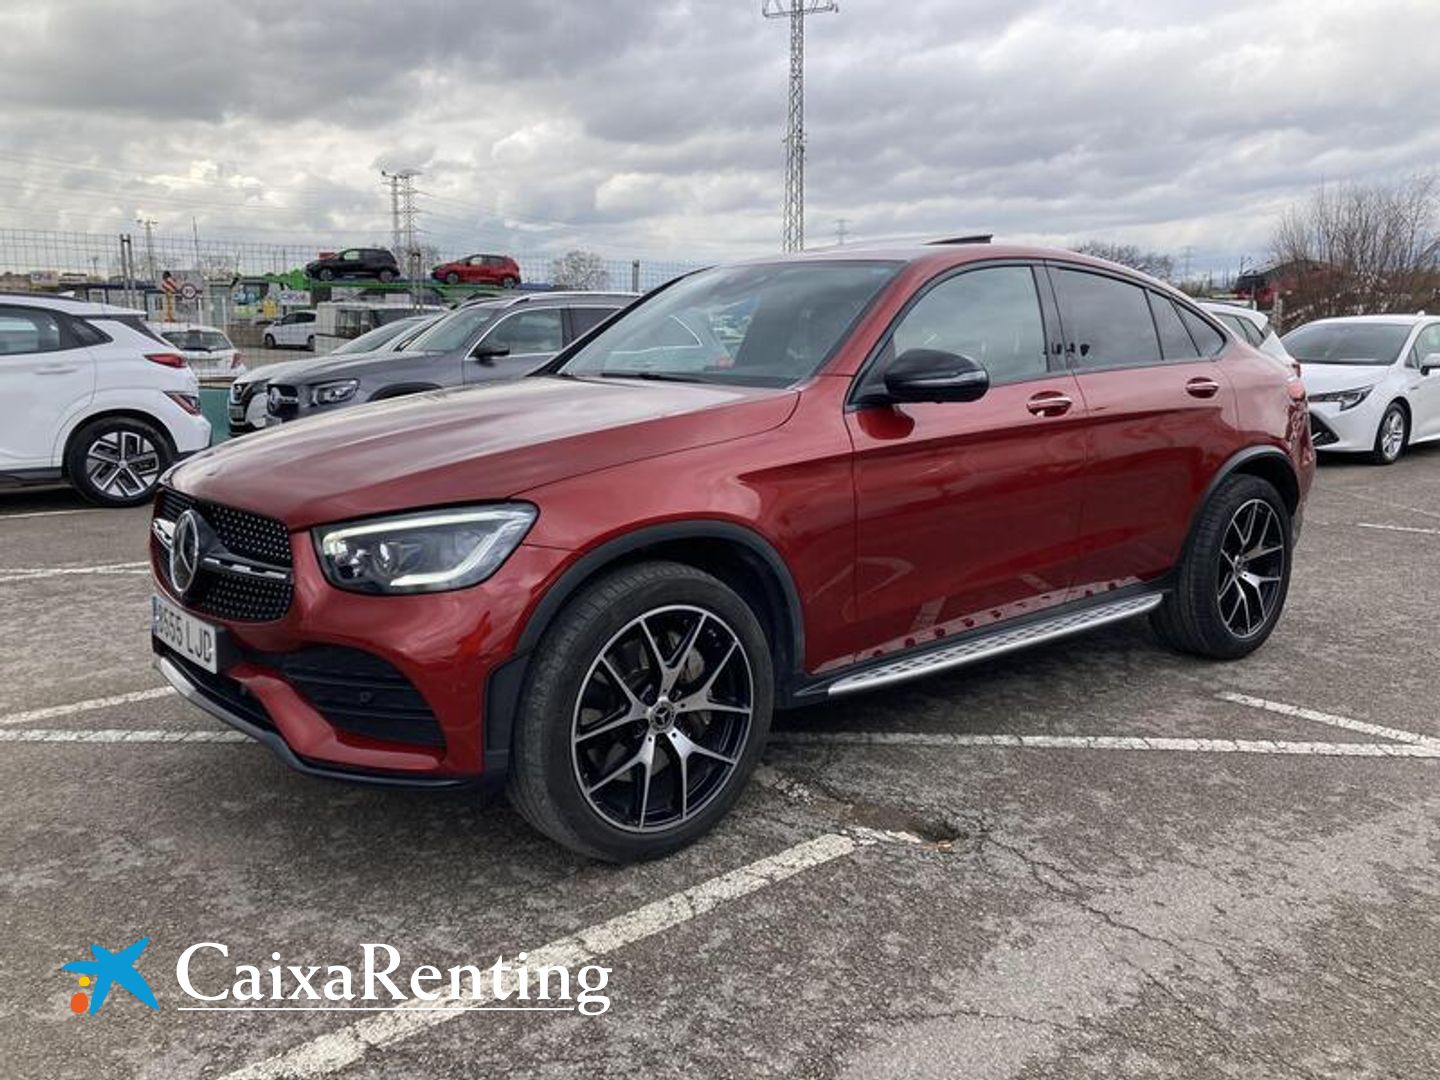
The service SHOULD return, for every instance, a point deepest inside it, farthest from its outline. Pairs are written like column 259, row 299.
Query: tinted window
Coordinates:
column 29, row 330
column 1107, row 321
column 767, row 324
column 1347, row 342
column 305, row 316
column 991, row 315
column 585, row 319
column 529, row 332
column 86, row 334
column 1207, row 339
column 1175, row 340
column 1429, row 341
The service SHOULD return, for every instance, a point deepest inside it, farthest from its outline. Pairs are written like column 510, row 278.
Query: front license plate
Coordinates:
column 196, row 641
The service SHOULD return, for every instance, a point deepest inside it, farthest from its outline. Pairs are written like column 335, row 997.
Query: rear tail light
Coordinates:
column 189, row 402
column 166, row 359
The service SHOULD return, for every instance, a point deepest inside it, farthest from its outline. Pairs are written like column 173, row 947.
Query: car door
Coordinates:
column 967, row 513
column 1161, row 420
column 516, row 345
column 1425, row 389
column 46, row 376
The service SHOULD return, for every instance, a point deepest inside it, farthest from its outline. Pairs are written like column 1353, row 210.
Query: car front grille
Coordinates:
column 245, row 535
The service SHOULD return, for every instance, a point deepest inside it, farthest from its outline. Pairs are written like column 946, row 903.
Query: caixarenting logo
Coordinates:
column 205, row 975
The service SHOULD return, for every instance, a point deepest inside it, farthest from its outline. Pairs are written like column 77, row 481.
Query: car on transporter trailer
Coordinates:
column 93, row 397
column 762, row 485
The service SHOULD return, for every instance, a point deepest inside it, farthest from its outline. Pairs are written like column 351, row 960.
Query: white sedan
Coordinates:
column 1373, row 382
column 206, row 349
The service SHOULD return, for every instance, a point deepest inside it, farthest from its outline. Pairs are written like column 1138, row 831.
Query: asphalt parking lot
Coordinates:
column 1092, row 860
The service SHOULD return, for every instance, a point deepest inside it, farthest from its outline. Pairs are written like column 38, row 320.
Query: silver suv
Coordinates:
column 483, row 341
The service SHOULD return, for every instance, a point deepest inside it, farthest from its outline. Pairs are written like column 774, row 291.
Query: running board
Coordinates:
column 983, row 648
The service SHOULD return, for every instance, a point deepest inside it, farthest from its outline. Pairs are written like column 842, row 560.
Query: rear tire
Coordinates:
column 1392, row 436
column 509, row 282
column 387, row 276
column 310, row 343
column 117, row 461
column 677, row 639
column 1235, row 574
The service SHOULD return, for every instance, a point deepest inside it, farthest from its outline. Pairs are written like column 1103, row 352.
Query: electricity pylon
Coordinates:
column 796, row 11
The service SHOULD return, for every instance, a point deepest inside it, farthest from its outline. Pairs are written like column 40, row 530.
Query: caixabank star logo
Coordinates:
column 97, row 976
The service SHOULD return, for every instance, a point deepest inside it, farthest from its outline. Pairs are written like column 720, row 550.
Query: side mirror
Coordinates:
column 487, row 351
column 933, row 375
column 1430, row 362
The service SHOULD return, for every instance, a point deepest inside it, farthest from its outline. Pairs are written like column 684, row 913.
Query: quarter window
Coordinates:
column 1107, row 321
column 584, row 319
column 1175, row 341
column 29, row 330
column 991, row 315
column 1207, row 339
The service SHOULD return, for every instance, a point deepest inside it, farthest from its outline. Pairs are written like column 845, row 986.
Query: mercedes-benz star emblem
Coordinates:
column 185, row 551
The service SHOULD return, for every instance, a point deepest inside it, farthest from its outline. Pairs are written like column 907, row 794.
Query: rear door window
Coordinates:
column 1107, row 321
column 30, row 330
column 585, row 319
column 529, row 332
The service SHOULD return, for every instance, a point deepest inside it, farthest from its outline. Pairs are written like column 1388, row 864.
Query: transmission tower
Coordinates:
column 393, row 182
column 796, row 11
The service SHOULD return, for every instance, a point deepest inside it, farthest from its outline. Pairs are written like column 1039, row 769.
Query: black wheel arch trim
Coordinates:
column 506, row 683
column 385, row 393
column 1235, row 464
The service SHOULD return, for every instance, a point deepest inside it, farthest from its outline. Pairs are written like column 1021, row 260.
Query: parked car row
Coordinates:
column 380, row 264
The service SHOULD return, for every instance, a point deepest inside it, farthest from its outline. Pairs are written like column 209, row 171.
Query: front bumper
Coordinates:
column 1351, row 431
column 398, row 694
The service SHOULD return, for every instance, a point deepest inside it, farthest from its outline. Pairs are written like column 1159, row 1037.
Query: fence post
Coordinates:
column 635, row 276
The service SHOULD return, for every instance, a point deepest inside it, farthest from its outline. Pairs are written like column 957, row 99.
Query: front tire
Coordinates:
column 645, row 711
column 452, row 278
column 268, row 341
column 117, row 461
column 1234, row 576
column 1392, row 436
column 327, row 275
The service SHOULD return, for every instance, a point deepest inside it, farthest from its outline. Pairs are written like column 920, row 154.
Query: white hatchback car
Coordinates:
column 93, row 397
column 210, row 354
column 293, row 330
column 1252, row 327
column 1373, row 382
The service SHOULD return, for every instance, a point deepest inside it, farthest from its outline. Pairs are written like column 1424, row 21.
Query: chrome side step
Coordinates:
column 983, row 648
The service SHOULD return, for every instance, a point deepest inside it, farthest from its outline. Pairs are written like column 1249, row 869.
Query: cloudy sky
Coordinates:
column 652, row 129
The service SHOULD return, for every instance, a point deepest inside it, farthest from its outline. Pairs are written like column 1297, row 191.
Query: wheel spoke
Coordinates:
column 640, row 757
column 621, row 685
column 686, row 746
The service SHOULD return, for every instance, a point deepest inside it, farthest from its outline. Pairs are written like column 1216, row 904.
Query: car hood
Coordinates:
column 350, row 365
column 467, row 445
column 1320, row 378
column 301, row 370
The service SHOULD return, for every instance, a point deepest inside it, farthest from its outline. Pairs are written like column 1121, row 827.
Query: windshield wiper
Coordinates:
column 640, row 373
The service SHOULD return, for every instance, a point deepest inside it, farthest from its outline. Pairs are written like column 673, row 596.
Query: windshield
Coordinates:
column 767, row 325
column 454, row 331
column 1347, row 343
column 197, row 340
column 379, row 337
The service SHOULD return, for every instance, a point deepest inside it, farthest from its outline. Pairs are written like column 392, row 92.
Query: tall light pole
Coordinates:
column 149, row 225
column 796, row 10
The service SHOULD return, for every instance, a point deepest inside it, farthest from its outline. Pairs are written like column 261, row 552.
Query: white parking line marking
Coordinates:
column 33, row 573
column 1103, row 742
column 337, row 1049
column 1397, row 528
column 119, row 735
column 1332, row 720
column 49, row 513
column 53, row 711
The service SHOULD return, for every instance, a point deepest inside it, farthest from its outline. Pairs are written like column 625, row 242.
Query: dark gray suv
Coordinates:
column 483, row 341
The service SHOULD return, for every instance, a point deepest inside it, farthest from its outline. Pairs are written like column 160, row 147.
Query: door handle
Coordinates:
column 1049, row 403
column 56, row 369
column 1202, row 387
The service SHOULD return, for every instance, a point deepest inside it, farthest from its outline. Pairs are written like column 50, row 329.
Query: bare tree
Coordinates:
column 579, row 270
column 1153, row 263
column 1360, row 249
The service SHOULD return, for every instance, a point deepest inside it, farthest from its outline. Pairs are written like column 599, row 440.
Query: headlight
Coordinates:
column 1347, row 399
column 429, row 551
column 332, row 393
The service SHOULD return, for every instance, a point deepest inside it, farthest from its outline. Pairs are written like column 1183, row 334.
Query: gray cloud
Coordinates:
column 656, row 129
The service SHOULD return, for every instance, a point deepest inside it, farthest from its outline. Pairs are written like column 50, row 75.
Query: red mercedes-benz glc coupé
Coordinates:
column 762, row 485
